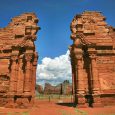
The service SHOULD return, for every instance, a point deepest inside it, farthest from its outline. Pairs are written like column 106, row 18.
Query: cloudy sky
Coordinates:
column 53, row 40
column 54, row 70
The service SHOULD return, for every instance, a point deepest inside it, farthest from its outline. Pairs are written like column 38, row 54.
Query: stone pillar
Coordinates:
column 34, row 73
column 28, row 73
column 95, row 79
column 13, row 78
column 73, row 79
column 80, row 79
column 13, row 81
column 20, row 84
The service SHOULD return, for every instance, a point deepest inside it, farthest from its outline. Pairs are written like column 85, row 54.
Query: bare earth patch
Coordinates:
column 57, row 107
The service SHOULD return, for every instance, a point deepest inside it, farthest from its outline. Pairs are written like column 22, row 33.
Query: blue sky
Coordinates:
column 55, row 17
column 54, row 37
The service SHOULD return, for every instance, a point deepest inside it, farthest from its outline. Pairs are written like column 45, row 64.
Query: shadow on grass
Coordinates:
column 67, row 104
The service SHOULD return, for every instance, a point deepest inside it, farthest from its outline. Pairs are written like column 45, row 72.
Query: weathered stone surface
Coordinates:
column 18, row 61
column 93, row 59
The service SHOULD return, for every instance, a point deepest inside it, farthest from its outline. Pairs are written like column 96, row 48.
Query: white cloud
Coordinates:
column 55, row 70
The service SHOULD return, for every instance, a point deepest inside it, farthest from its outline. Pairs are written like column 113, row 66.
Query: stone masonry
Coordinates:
column 18, row 61
column 93, row 60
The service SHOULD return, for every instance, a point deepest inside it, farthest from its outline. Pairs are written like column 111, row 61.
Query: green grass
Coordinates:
column 18, row 113
column 77, row 112
column 81, row 112
column 53, row 96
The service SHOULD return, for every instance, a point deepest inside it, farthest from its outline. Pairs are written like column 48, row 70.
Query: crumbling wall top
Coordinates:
column 21, row 31
column 91, row 27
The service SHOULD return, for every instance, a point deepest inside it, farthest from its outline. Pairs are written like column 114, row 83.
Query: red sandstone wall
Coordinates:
column 93, row 58
column 106, row 68
column 18, row 61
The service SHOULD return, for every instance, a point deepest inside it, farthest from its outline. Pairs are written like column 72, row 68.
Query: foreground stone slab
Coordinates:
column 18, row 61
column 93, row 60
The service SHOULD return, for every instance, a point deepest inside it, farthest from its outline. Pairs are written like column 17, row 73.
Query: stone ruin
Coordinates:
column 18, row 61
column 39, row 89
column 93, row 60
column 64, row 88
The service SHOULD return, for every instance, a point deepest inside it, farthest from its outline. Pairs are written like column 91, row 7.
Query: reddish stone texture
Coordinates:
column 93, row 60
column 18, row 61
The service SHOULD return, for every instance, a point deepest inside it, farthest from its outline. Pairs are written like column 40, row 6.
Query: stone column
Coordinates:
column 73, row 79
column 34, row 73
column 95, row 79
column 28, row 73
column 13, row 81
column 13, row 77
column 80, row 80
column 20, row 84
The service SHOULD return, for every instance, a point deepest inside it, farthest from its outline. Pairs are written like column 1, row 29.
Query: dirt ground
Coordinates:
column 57, row 107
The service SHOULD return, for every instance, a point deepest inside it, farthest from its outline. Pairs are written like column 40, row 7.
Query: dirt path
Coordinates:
column 43, row 107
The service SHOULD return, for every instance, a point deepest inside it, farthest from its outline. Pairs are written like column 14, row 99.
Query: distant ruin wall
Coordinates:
column 64, row 88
